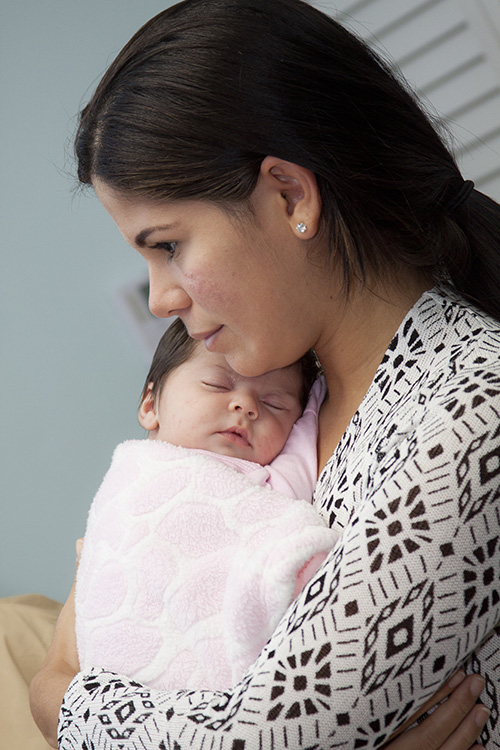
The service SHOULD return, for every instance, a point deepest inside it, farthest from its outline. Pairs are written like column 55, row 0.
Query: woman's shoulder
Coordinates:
column 452, row 381
column 444, row 344
column 450, row 320
column 440, row 377
column 461, row 351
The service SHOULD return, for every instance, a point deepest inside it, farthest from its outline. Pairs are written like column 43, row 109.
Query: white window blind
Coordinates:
column 449, row 50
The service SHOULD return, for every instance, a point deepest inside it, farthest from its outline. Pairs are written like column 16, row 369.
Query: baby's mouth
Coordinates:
column 237, row 435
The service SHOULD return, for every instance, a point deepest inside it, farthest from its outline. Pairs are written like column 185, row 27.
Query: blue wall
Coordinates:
column 71, row 372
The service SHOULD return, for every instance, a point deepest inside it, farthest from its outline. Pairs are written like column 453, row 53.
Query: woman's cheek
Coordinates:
column 212, row 293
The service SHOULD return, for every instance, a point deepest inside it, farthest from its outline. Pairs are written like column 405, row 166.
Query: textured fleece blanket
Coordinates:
column 188, row 566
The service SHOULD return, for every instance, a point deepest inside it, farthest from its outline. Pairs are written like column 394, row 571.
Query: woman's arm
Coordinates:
column 455, row 724
column 61, row 664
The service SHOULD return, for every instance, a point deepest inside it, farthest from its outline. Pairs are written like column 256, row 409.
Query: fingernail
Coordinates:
column 456, row 679
column 482, row 715
column 477, row 686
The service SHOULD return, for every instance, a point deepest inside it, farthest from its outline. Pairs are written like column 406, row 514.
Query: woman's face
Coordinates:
column 244, row 286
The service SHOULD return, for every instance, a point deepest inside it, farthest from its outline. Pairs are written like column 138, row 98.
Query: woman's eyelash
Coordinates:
column 168, row 247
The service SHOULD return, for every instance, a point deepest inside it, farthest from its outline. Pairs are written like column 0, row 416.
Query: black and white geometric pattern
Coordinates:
column 411, row 590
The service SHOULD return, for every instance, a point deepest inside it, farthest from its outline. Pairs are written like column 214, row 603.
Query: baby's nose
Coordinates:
column 246, row 404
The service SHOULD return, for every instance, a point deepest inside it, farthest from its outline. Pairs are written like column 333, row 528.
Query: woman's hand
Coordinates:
column 454, row 725
column 61, row 664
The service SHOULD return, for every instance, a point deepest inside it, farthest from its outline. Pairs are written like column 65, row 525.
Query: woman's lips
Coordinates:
column 207, row 338
column 210, row 339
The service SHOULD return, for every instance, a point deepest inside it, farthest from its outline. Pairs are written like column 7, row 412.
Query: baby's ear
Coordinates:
column 147, row 411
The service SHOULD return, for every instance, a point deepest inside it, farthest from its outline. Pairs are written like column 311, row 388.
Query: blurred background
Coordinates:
column 76, row 336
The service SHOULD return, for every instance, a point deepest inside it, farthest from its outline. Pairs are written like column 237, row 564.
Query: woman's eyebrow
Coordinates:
column 144, row 234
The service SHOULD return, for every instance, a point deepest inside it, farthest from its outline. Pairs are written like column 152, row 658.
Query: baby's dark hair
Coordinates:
column 176, row 346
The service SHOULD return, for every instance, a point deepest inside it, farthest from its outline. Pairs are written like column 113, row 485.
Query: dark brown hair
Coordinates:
column 176, row 346
column 208, row 88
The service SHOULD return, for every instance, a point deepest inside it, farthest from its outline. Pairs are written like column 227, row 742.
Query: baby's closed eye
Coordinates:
column 216, row 386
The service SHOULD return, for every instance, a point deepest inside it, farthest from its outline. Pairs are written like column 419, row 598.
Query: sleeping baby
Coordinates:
column 200, row 537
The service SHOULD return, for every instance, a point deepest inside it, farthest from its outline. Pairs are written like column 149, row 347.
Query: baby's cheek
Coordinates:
column 286, row 425
column 277, row 437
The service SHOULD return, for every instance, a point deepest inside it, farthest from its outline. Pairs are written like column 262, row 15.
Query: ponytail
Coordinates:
column 471, row 252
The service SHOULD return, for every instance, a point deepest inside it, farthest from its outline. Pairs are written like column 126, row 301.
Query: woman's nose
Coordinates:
column 166, row 299
column 245, row 403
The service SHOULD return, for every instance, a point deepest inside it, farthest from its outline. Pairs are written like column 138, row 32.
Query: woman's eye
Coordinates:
column 169, row 247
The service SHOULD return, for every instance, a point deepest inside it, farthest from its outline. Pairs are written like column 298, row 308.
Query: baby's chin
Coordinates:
column 227, row 445
column 223, row 446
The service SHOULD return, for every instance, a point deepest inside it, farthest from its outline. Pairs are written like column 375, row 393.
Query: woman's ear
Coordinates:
column 299, row 193
column 147, row 411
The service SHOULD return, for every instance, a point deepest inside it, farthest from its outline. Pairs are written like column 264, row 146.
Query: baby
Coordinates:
column 200, row 537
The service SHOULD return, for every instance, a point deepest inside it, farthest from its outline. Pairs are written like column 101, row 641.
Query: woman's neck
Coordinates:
column 352, row 347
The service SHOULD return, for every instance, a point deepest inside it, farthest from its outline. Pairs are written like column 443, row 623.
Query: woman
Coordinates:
column 287, row 193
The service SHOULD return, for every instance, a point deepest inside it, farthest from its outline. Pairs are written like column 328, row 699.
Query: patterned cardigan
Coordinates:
column 411, row 591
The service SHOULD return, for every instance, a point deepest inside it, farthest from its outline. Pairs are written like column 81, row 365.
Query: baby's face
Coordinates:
column 205, row 404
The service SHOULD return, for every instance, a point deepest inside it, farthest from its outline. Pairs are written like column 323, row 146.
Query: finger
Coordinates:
column 458, row 718
column 78, row 553
column 453, row 711
column 469, row 730
column 443, row 692
column 78, row 549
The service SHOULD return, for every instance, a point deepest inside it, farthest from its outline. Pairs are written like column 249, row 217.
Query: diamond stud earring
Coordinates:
column 301, row 227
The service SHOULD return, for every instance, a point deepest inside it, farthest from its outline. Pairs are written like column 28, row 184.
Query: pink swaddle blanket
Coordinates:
column 188, row 566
